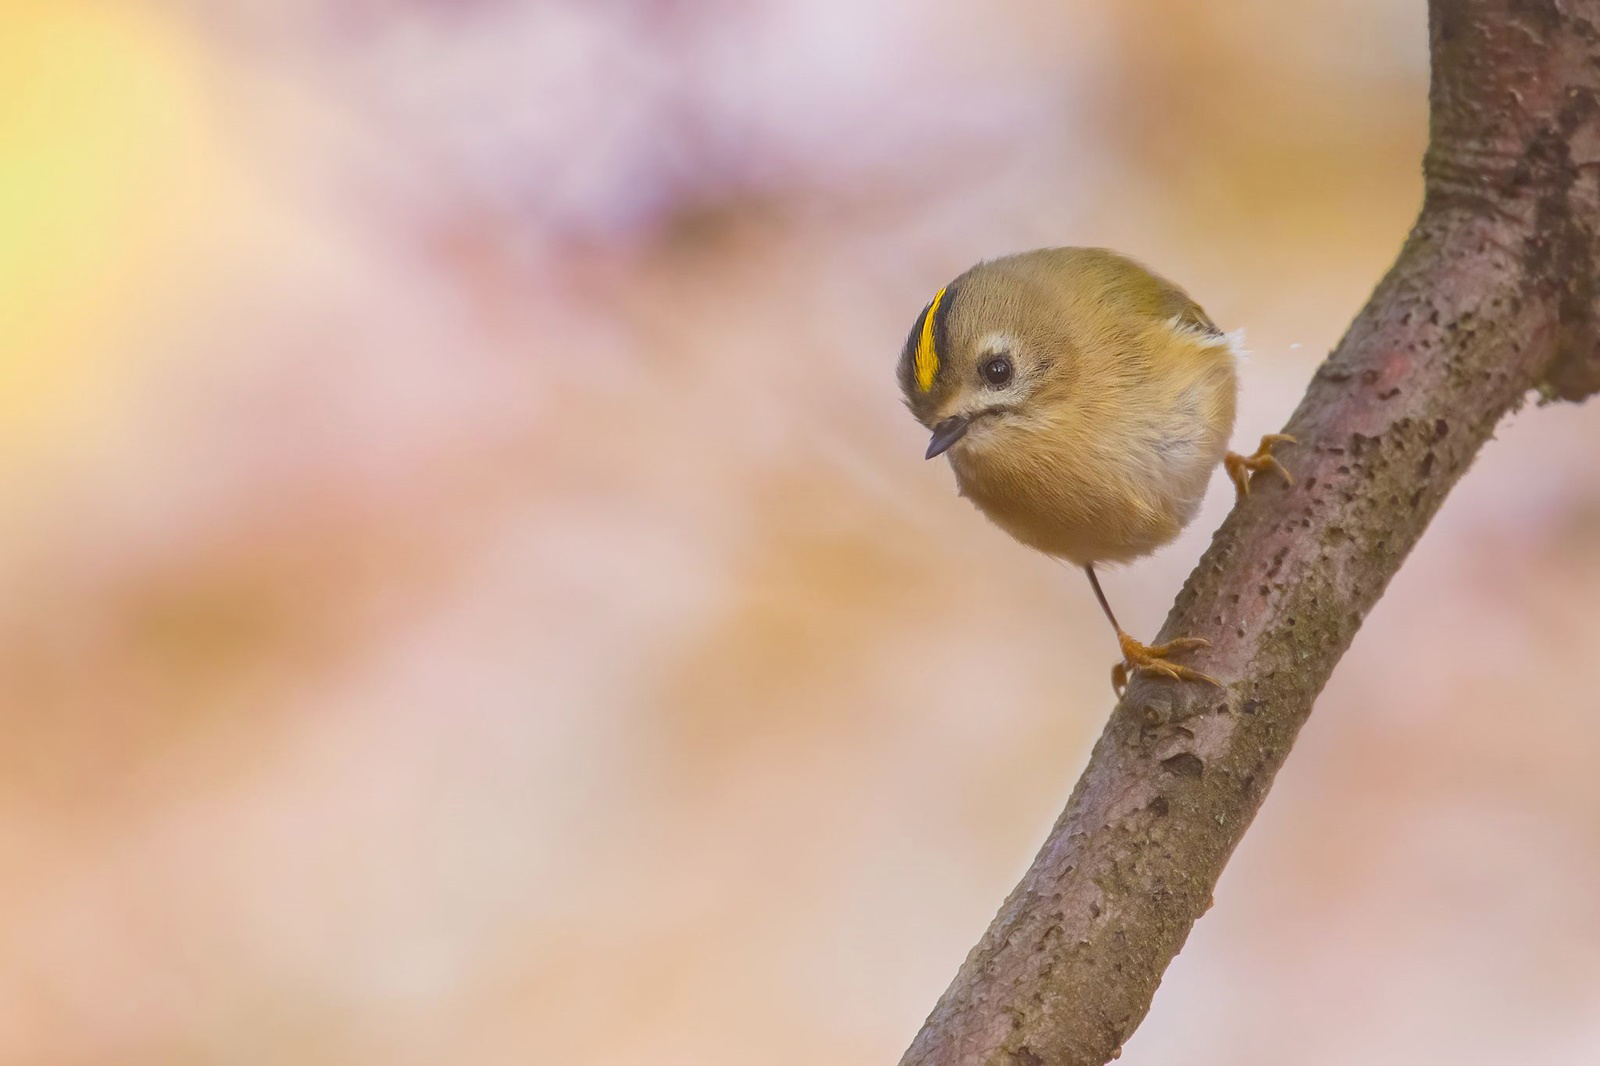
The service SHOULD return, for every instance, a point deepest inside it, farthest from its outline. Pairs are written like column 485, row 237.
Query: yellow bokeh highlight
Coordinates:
column 103, row 180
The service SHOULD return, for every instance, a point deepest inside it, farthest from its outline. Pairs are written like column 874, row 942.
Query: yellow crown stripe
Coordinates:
column 927, row 359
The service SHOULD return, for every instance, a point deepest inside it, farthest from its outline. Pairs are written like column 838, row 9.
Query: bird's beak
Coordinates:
column 945, row 434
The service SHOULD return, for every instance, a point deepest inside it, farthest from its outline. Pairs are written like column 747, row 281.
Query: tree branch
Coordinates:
column 1494, row 295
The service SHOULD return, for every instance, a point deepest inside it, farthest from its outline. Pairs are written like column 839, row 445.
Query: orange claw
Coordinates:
column 1152, row 658
column 1242, row 467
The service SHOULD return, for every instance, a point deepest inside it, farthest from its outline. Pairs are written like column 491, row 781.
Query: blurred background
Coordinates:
column 469, row 591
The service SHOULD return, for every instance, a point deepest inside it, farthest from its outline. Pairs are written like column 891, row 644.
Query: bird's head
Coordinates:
column 1015, row 350
column 986, row 358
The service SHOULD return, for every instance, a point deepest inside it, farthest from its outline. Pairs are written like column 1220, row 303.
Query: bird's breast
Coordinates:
column 1106, row 494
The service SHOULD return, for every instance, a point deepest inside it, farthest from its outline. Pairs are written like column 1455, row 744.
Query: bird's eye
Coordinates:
column 997, row 371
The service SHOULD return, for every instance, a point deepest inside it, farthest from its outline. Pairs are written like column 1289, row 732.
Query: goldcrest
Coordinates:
column 1083, row 402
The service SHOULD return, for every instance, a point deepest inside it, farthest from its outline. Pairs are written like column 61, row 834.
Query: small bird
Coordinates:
column 1082, row 401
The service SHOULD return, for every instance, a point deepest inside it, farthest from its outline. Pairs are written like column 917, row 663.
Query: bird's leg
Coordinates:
column 1152, row 658
column 1241, row 467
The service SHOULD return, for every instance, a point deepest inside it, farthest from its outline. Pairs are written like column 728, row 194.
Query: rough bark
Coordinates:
column 1493, row 297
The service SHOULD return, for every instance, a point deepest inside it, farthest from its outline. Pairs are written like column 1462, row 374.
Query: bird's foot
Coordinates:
column 1152, row 659
column 1242, row 467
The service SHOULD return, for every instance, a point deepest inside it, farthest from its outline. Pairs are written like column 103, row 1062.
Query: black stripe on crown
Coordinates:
column 941, row 341
column 908, row 354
